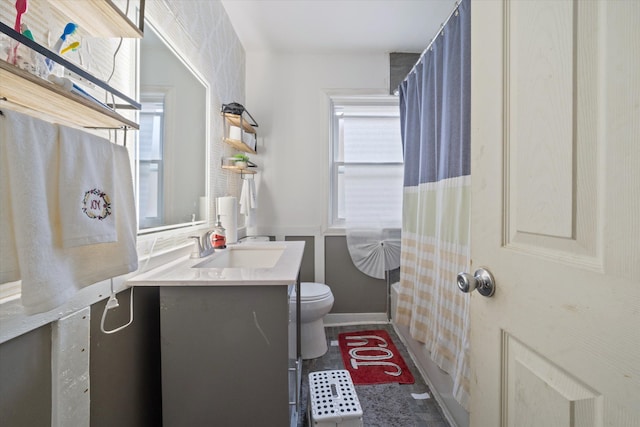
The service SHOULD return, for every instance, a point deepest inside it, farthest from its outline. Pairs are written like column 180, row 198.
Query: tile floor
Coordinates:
column 383, row 405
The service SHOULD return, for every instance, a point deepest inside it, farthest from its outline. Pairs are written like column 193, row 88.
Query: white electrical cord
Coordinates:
column 113, row 301
column 113, row 70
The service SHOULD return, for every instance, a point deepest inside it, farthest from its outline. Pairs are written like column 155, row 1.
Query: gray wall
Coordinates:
column 125, row 366
column 307, row 268
column 124, row 369
column 400, row 64
column 25, row 380
column 353, row 291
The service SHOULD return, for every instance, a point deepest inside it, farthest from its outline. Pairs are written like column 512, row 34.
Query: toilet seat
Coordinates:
column 310, row 292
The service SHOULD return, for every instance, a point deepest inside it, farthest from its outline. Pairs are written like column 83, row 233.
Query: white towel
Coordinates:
column 248, row 201
column 86, row 188
column 253, row 196
column 32, row 158
column 93, row 263
column 50, row 273
column 9, row 269
column 245, row 202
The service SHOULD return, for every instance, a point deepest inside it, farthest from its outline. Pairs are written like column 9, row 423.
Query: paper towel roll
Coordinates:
column 235, row 133
column 228, row 211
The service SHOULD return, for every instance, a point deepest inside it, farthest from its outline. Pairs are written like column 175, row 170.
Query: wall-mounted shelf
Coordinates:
column 236, row 169
column 238, row 121
column 102, row 18
column 28, row 93
column 24, row 92
column 239, row 145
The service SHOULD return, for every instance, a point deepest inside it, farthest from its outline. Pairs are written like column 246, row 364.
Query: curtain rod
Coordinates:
column 452, row 13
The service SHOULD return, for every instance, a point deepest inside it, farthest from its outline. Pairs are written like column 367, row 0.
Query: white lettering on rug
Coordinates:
column 365, row 340
column 363, row 345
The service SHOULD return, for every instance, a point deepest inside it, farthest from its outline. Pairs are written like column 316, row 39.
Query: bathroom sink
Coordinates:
column 244, row 257
column 245, row 264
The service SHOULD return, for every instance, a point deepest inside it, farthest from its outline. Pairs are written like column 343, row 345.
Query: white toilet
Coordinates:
column 316, row 301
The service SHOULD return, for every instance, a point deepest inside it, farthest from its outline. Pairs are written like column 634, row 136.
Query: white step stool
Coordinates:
column 333, row 400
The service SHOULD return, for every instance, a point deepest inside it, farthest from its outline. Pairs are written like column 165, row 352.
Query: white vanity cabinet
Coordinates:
column 230, row 356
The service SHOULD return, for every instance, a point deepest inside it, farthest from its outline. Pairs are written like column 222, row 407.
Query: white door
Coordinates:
column 556, row 212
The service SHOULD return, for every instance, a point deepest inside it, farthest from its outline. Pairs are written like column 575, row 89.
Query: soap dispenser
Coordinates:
column 219, row 239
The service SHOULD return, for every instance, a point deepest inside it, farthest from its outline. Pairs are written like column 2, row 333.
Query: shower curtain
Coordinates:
column 435, row 120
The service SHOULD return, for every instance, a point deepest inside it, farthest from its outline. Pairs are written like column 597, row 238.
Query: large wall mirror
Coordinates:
column 172, row 171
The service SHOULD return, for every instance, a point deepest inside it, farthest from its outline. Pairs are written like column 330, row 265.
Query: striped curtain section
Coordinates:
column 435, row 117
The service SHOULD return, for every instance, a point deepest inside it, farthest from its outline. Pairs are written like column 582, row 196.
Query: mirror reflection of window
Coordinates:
column 151, row 213
column 172, row 160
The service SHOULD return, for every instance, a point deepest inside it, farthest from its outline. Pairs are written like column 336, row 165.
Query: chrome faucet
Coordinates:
column 207, row 240
column 203, row 245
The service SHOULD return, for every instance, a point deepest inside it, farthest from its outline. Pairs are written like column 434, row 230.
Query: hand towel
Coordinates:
column 31, row 151
column 93, row 263
column 248, row 201
column 9, row 270
column 245, row 198
column 253, row 196
column 86, row 188
column 50, row 273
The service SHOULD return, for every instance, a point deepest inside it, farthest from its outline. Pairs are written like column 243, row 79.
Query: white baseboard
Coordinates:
column 342, row 319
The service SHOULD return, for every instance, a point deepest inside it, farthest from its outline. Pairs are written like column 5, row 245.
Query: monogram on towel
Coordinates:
column 86, row 188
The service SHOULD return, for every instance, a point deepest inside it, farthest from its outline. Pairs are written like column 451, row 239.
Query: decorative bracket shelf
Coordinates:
column 102, row 18
column 238, row 121
column 25, row 92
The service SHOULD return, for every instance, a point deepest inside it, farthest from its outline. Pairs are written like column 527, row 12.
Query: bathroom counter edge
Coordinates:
column 181, row 272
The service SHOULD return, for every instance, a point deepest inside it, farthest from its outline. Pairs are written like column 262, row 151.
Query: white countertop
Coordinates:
column 182, row 272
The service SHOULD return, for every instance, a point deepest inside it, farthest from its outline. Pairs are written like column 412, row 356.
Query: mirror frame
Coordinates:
column 171, row 45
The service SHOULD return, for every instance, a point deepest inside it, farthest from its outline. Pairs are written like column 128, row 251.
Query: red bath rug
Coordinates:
column 372, row 358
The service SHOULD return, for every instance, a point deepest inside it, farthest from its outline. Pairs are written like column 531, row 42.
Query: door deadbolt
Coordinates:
column 482, row 280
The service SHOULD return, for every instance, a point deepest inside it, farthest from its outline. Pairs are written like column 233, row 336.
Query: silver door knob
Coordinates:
column 482, row 280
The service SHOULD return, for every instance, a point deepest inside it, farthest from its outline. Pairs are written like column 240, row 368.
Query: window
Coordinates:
column 150, row 162
column 366, row 162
